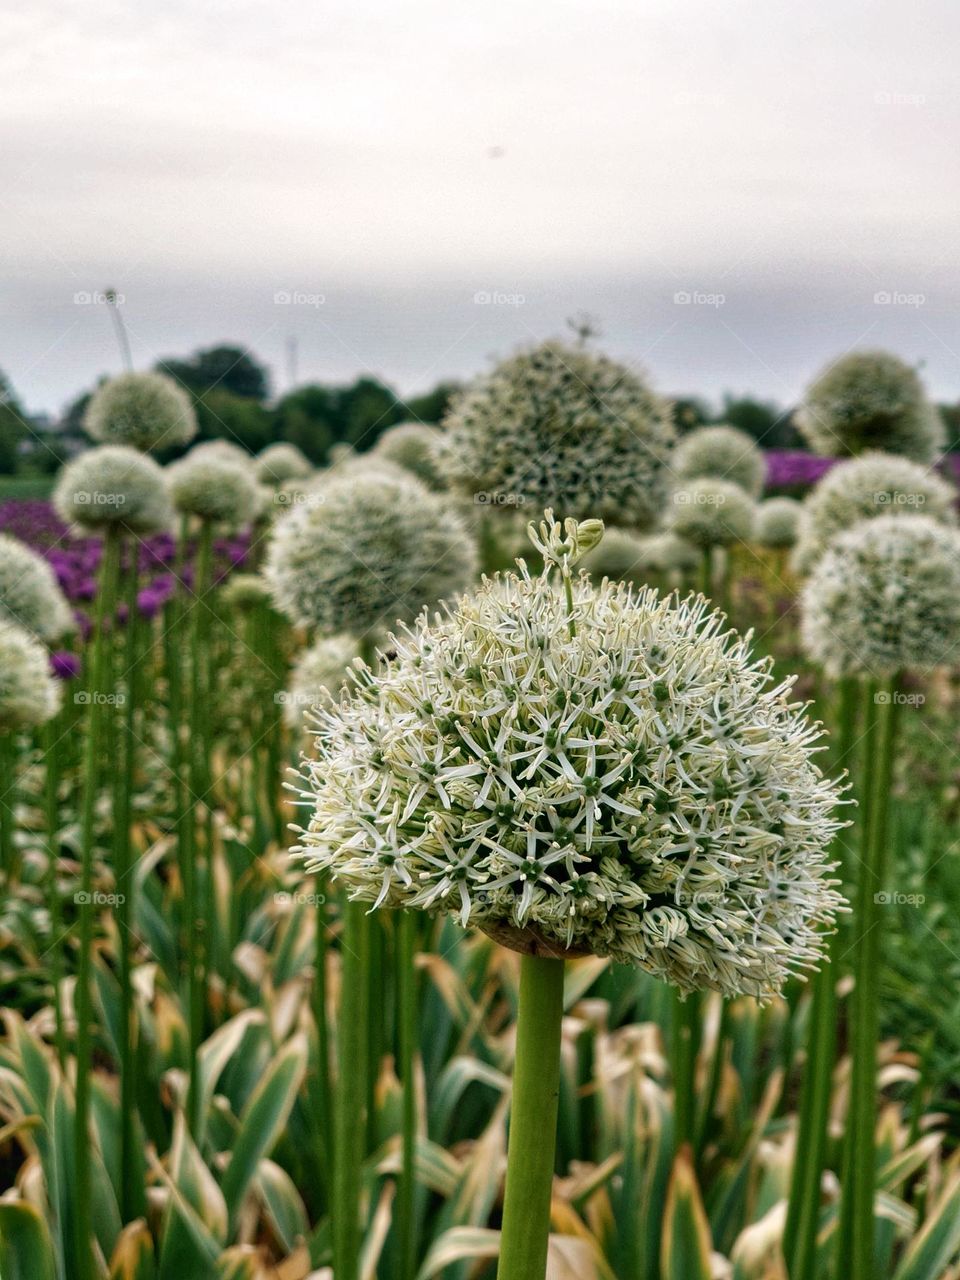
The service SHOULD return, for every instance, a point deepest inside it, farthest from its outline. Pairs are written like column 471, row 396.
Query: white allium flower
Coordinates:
column 619, row 556
column 776, row 522
column 278, row 463
column 220, row 448
column 29, row 694
column 609, row 774
column 416, row 447
column 113, row 485
column 365, row 551
column 561, row 426
column 317, row 676
column 245, row 591
column 884, row 598
column 870, row 400
column 667, row 553
column 711, row 513
column 875, row 484
column 213, row 486
column 30, row 595
column 144, row 410
column 724, row 452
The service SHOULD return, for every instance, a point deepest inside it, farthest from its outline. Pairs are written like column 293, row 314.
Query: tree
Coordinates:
column 13, row 428
column 239, row 419
column 769, row 425
column 315, row 417
column 433, row 405
column 220, row 369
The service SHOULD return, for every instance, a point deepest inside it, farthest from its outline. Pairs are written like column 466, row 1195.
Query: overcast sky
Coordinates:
column 388, row 166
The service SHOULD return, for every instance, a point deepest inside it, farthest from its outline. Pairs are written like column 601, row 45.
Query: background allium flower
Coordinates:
column 667, row 553
column 876, row 484
column 65, row 665
column 884, row 598
column 415, row 446
column 871, row 400
column 246, row 591
column 776, row 521
column 635, row 789
column 711, row 513
column 29, row 694
column 145, row 410
column 317, row 677
column 223, row 449
column 30, row 595
column 281, row 462
column 727, row 453
column 212, row 486
column 113, row 485
column 618, row 555
column 560, row 426
column 369, row 550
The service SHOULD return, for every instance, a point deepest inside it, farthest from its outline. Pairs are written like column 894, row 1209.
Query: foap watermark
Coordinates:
column 96, row 498
column 298, row 298
column 898, row 498
column 494, row 498
column 687, row 499
column 94, row 697
column 698, row 298
column 98, row 298
column 498, row 298
column 897, row 298
column 891, row 898
column 896, row 98
column 97, row 899
column 298, row 498
column 295, row 898
column 899, row 699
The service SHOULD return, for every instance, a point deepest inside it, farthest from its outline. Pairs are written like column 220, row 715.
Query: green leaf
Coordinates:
column 938, row 1241
column 133, row 1255
column 26, row 1250
column 685, row 1249
column 263, row 1119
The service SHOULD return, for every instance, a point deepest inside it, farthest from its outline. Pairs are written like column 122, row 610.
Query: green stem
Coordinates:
column 407, row 1000
column 97, row 690
column 350, row 1138
column 8, row 801
column 859, row 1184
column 51, row 795
column 803, row 1218
column 533, row 1122
column 686, row 1043
column 706, row 571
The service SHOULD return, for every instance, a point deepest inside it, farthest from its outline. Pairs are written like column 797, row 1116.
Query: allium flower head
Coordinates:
column 561, row 426
column 113, row 485
column 618, row 556
column 668, row 553
column 415, row 446
column 776, row 522
column 870, row 400
column 144, row 410
column 875, row 484
column 213, row 486
column 29, row 694
column 30, row 595
column 281, row 462
column 724, row 452
column 366, row 551
column 884, row 598
column 578, row 769
column 317, row 676
column 245, row 591
column 711, row 513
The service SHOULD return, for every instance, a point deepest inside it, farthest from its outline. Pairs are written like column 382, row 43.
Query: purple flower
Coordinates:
column 65, row 665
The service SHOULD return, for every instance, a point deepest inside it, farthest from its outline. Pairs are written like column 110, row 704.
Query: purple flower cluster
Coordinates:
column 793, row 471
column 76, row 560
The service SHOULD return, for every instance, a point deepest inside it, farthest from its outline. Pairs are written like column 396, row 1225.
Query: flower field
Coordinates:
column 529, row 848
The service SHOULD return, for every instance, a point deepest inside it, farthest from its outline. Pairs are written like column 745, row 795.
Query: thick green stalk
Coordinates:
column 327, row 1156
column 51, row 798
column 685, row 1047
column 351, row 1097
column 99, row 669
column 859, row 1181
column 706, row 571
column 8, row 799
column 533, row 1122
column 803, row 1218
column 407, row 1033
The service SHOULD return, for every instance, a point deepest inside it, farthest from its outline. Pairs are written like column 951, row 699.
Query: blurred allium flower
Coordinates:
column 562, row 426
column 611, row 774
column 667, row 553
column 368, row 550
column 211, row 485
column 145, row 410
column 29, row 694
column 281, row 462
column 317, row 676
column 220, row 448
column 870, row 400
column 65, row 665
column 776, row 521
column 30, row 595
column 618, row 556
column 711, row 513
column 415, row 446
column 884, row 598
column 875, row 484
column 113, row 485
column 727, row 453
column 246, row 591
